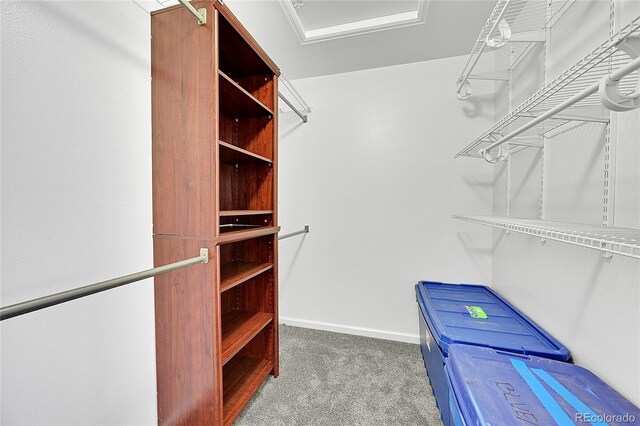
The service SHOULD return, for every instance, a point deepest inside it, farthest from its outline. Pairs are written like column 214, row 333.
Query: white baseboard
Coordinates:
column 348, row 329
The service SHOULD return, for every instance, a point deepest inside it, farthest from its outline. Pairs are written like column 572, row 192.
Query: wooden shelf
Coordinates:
column 232, row 154
column 242, row 376
column 234, row 273
column 243, row 212
column 237, row 102
column 238, row 327
column 232, row 237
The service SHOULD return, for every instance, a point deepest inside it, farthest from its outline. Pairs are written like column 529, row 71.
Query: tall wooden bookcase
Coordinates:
column 214, row 113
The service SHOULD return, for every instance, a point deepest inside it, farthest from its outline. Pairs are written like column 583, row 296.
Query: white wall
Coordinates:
column 76, row 209
column 373, row 174
column 590, row 303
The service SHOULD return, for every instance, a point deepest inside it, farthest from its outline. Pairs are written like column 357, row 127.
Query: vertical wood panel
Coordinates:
column 183, row 82
column 186, row 335
column 274, row 176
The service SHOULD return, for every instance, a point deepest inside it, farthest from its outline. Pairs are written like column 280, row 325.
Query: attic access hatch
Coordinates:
column 315, row 21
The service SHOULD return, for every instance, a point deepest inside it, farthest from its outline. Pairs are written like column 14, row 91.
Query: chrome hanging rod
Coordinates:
column 613, row 78
column 293, row 234
column 76, row 293
column 295, row 93
column 200, row 14
column 303, row 117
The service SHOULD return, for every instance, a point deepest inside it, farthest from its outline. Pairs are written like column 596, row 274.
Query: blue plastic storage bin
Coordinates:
column 492, row 387
column 473, row 315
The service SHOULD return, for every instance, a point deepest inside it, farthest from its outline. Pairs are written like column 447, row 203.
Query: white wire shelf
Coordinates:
column 615, row 240
column 600, row 62
column 511, row 32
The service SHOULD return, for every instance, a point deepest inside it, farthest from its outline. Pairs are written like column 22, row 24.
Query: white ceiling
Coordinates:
column 321, row 20
column 316, row 14
column 450, row 29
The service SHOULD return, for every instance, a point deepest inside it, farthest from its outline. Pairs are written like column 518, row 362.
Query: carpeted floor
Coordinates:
column 339, row 379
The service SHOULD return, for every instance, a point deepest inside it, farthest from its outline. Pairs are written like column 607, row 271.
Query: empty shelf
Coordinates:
column 237, row 102
column 622, row 241
column 231, row 237
column 244, row 212
column 242, row 376
column 232, row 154
column 238, row 328
column 234, row 273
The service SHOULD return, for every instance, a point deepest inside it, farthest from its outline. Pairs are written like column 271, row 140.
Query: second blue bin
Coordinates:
column 491, row 387
column 474, row 315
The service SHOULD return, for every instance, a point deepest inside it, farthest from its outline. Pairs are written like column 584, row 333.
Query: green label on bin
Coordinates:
column 476, row 312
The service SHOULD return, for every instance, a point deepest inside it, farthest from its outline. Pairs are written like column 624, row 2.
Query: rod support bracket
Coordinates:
column 204, row 254
column 200, row 14
column 306, row 229
column 203, row 16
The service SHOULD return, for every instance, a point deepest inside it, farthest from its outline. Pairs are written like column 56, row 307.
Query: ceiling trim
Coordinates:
column 365, row 26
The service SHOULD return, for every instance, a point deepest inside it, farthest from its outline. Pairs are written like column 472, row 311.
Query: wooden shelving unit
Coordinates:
column 214, row 109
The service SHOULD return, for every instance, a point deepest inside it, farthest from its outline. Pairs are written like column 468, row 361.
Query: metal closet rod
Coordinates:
column 76, row 293
column 293, row 234
column 295, row 93
column 297, row 96
column 303, row 117
column 615, row 76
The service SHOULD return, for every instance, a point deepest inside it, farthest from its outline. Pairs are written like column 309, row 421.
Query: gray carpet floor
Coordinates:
column 339, row 379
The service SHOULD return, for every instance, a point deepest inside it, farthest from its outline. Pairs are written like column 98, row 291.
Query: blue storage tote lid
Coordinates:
column 476, row 315
column 500, row 388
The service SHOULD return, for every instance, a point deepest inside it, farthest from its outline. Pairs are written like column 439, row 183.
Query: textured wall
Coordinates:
column 76, row 209
column 373, row 174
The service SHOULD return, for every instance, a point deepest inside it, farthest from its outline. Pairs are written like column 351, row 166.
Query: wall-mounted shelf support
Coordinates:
column 535, row 36
column 200, row 14
column 527, row 144
column 499, row 75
